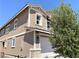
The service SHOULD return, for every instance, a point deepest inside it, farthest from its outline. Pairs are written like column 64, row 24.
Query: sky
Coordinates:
column 9, row 8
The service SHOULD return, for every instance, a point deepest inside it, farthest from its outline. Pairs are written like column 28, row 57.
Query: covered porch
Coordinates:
column 42, row 46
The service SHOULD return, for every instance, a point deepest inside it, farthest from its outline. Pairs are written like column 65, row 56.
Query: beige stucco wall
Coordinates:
column 14, row 50
column 23, row 45
column 22, row 42
column 27, row 43
column 32, row 18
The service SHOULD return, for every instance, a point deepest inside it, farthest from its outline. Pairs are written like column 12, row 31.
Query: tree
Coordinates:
column 65, row 29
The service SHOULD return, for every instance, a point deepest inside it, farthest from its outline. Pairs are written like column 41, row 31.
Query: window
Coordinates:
column 5, row 43
column 9, row 42
column 15, row 23
column 2, row 32
column 0, row 43
column 7, row 29
column 48, row 23
column 37, row 39
column 39, row 19
column 13, row 42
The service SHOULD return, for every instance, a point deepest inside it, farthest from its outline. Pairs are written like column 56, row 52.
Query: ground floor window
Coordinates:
column 37, row 39
column 13, row 42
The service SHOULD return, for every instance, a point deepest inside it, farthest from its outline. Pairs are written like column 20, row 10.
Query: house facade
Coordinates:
column 26, row 34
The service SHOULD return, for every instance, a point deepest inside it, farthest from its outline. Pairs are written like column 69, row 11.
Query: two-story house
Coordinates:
column 26, row 34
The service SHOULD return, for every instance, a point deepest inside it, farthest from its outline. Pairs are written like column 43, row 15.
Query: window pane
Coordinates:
column 15, row 23
column 38, row 19
column 7, row 29
column 37, row 22
column 37, row 39
column 13, row 42
column 9, row 41
column 48, row 24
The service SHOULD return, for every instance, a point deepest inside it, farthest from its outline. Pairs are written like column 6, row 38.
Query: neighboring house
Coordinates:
column 26, row 34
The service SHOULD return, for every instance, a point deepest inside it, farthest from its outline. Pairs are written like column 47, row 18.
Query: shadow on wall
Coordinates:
column 28, row 38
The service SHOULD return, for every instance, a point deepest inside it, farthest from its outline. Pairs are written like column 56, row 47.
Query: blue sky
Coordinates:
column 9, row 8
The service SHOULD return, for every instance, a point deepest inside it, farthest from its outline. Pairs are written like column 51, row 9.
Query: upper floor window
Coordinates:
column 2, row 32
column 38, row 19
column 7, row 29
column 48, row 23
column 15, row 23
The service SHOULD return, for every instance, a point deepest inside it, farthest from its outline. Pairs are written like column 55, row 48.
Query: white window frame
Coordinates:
column 40, row 22
column 12, row 43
